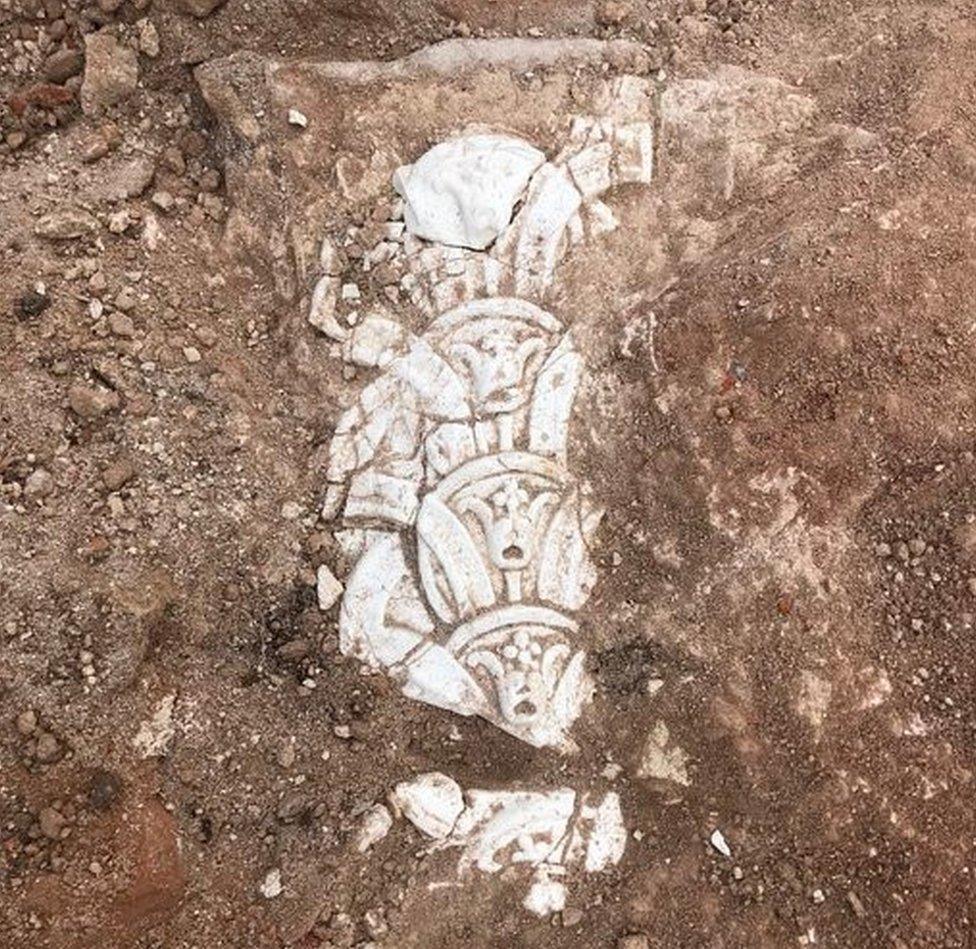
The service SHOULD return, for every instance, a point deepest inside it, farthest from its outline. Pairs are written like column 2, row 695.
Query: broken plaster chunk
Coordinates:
column 431, row 802
column 546, row 895
column 330, row 261
column 719, row 842
column 662, row 760
column 462, row 191
column 295, row 117
column 375, row 342
column 591, row 169
column 271, row 884
column 327, row 588
column 552, row 832
column 375, row 825
column 321, row 312
column 634, row 153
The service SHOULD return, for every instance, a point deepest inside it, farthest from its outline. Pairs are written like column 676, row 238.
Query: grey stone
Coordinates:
column 111, row 72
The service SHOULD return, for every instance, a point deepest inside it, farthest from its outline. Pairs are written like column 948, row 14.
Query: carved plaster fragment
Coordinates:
column 471, row 533
column 553, row 833
column 458, row 450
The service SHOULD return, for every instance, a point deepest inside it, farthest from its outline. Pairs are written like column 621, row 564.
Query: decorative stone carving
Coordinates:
column 455, row 458
column 460, row 241
column 550, row 832
column 450, row 472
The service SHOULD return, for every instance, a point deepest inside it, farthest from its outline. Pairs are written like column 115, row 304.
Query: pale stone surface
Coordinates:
column 462, row 192
column 551, row 832
column 431, row 802
column 663, row 760
column 374, row 825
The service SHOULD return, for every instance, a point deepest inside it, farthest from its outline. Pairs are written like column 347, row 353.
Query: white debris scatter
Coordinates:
column 462, row 192
column 327, row 588
column 662, row 760
column 719, row 842
column 271, row 884
column 431, row 802
column 297, row 118
column 374, row 826
column 155, row 734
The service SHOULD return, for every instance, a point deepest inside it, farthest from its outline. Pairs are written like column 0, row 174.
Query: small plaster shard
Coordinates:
column 374, row 825
column 551, row 832
column 155, row 734
column 719, row 842
column 327, row 588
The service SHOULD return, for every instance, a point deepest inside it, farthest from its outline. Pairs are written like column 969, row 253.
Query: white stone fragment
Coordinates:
column 155, row 734
column 330, row 262
column 546, row 895
column 321, row 312
column 719, row 842
column 271, row 884
column 431, row 802
column 590, row 169
column 634, row 153
column 375, row 341
column 462, row 191
column 327, row 588
column 661, row 760
column 551, row 832
column 606, row 835
column 295, row 117
column 373, row 827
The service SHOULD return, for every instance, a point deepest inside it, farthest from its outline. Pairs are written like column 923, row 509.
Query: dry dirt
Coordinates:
column 789, row 477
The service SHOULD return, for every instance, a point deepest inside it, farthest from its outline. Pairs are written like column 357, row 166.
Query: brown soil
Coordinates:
column 790, row 540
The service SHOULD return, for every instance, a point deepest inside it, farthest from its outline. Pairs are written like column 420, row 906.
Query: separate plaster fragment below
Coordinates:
column 551, row 832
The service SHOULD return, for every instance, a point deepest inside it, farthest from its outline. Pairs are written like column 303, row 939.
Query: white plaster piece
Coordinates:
column 374, row 825
column 327, row 588
column 461, row 192
column 431, row 802
column 473, row 536
column 321, row 311
column 718, row 841
column 271, row 884
column 663, row 760
column 549, row 832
